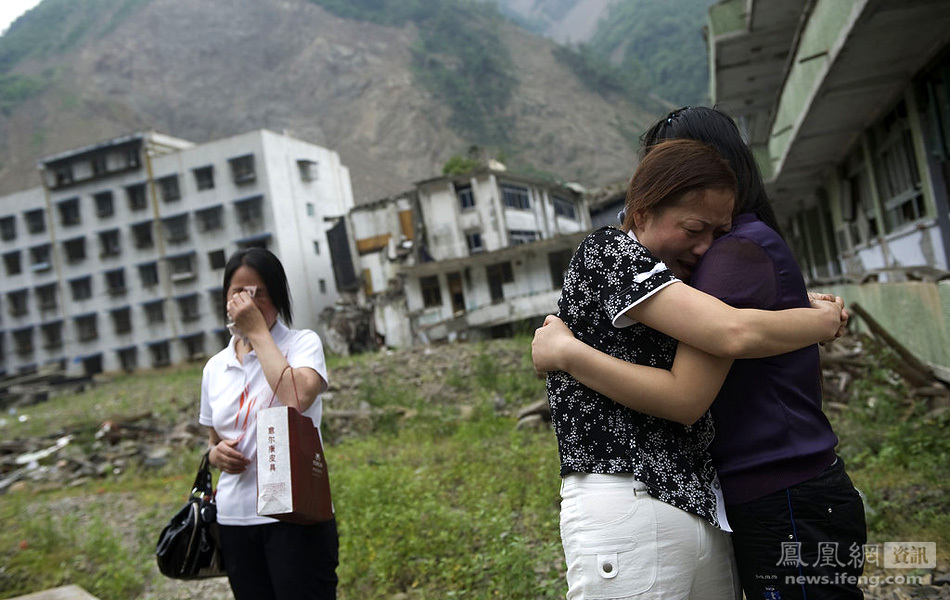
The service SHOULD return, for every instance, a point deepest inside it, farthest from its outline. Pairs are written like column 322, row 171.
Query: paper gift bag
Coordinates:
column 292, row 480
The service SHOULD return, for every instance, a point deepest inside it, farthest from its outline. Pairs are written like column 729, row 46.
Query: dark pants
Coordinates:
column 281, row 561
column 802, row 543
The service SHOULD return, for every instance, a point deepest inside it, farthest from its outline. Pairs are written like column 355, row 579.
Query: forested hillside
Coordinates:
column 657, row 43
column 396, row 87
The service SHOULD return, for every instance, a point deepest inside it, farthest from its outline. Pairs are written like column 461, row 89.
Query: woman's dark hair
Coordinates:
column 717, row 129
column 671, row 170
column 271, row 272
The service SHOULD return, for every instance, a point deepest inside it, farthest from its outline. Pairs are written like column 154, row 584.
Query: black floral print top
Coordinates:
column 610, row 273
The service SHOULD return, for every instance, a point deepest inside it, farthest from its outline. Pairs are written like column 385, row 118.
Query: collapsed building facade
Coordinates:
column 467, row 256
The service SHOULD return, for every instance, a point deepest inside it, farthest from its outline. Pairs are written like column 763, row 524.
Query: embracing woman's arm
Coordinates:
column 685, row 392
column 682, row 394
column 701, row 320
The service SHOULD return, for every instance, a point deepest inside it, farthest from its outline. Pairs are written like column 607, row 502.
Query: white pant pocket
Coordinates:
column 618, row 569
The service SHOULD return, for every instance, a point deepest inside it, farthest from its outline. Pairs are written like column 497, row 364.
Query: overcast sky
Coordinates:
column 11, row 9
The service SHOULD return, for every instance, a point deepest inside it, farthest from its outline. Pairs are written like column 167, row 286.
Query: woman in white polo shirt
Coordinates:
column 264, row 558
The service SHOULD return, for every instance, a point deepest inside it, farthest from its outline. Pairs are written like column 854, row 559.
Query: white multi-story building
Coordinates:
column 470, row 254
column 117, row 261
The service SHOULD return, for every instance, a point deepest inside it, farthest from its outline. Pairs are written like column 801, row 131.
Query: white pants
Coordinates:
column 619, row 542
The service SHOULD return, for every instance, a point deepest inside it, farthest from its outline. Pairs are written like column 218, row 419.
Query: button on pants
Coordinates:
column 619, row 542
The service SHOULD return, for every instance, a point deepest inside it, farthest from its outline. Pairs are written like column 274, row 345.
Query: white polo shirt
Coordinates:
column 231, row 395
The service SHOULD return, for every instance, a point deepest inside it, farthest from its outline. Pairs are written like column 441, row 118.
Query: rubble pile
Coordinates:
column 395, row 386
column 73, row 457
column 389, row 387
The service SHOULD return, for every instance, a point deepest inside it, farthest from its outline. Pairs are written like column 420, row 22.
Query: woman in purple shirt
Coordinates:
column 798, row 523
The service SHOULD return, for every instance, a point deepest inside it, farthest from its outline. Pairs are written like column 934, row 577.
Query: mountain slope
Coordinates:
column 657, row 42
column 73, row 72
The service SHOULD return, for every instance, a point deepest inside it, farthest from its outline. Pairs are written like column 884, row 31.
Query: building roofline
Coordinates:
column 509, row 175
column 147, row 138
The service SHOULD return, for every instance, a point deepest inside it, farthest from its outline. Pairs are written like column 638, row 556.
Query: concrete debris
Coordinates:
column 117, row 444
column 32, row 388
column 348, row 329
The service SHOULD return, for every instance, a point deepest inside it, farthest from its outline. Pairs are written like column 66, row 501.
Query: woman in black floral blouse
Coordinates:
column 641, row 513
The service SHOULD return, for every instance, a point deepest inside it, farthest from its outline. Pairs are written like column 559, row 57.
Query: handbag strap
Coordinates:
column 276, row 387
column 202, row 483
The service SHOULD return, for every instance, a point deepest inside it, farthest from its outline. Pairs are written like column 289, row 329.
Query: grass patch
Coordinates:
column 439, row 504
column 897, row 452
column 449, row 509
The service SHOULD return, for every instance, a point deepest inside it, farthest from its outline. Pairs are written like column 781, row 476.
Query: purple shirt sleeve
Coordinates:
column 738, row 272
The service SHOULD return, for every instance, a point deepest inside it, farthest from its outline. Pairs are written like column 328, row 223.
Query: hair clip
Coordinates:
column 675, row 113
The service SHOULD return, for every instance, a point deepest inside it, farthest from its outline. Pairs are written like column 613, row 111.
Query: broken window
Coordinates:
column 81, row 288
column 8, row 228
column 109, row 243
column 154, row 311
column 895, row 168
column 474, row 241
column 41, row 257
column 168, row 186
column 857, row 206
column 204, row 177
column 464, row 194
column 137, row 196
column 242, row 169
column 18, row 302
column 86, row 328
column 519, row 236
column 128, row 358
column 132, row 158
column 52, row 334
column 63, row 175
column 188, row 307
column 69, row 212
column 194, row 344
column 216, row 259
column 210, row 219
column 308, row 169
column 182, row 267
column 46, row 296
column 431, row 294
column 99, row 164
column 104, row 205
column 148, row 274
column 456, row 293
column 516, row 196
column 23, row 340
column 249, row 210
column 160, row 354
column 122, row 320
column 115, row 281
column 498, row 275
column 75, row 249
column 142, row 232
column 35, row 220
column 11, row 260
column 564, row 208
column 176, row 228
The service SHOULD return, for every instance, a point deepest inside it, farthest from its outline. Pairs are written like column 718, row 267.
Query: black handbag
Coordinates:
column 188, row 547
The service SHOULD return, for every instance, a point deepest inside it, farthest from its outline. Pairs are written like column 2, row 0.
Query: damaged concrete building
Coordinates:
column 467, row 256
